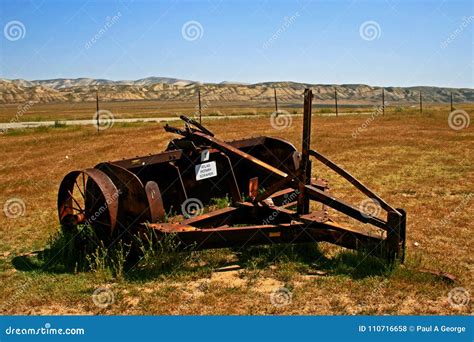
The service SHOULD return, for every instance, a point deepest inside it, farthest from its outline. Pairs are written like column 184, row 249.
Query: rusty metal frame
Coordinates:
column 280, row 213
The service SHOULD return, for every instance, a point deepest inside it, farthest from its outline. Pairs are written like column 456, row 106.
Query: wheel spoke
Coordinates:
column 78, row 209
column 72, row 197
column 79, row 204
column 79, row 188
column 63, row 209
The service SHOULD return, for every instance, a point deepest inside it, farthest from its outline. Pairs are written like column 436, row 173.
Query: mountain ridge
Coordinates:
column 174, row 89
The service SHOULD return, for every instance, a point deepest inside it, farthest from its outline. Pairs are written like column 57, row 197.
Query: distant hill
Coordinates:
column 172, row 89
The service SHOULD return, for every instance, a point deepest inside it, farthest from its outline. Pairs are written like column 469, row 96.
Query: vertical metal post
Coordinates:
column 383, row 101
column 452, row 108
column 276, row 101
column 305, row 166
column 421, row 103
column 335, row 99
column 396, row 232
column 200, row 110
column 97, row 114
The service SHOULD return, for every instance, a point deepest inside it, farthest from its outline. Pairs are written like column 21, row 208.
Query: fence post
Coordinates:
column 305, row 166
column 200, row 111
column 383, row 101
column 421, row 103
column 97, row 109
column 276, row 101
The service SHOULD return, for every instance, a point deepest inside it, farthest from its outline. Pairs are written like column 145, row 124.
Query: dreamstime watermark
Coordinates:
column 464, row 24
column 104, row 207
column 192, row 30
column 460, row 207
column 19, row 291
column 377, row 111
column 103, row 119
column 14, row 30
column 287, row 22
column 47, row 329
column 14, row 208
column 459, row 119
column 109, row 22
column 370, row 30
column 192, row 207
column 197, row 292
column 281, row 297
column 281, row 119
column 370, row 207
column 198, row 111
column 374, row 295
column 458, row 297
column 287, row 199
column 103, row 297
column 22, row 109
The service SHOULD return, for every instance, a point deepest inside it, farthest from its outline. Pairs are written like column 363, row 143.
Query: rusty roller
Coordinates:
column 268, row 182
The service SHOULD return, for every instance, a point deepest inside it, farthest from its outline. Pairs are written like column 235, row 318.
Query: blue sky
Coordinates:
column 405, row 43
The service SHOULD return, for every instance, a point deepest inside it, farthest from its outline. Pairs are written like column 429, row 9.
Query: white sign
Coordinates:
column 204, row 156
column 206, row 170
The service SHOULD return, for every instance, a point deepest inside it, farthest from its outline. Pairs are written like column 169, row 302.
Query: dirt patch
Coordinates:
column 267, row 285
column 229, row 278
column 49, row 310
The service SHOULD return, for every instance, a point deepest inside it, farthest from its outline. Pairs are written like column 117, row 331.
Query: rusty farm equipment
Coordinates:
column 268, row 181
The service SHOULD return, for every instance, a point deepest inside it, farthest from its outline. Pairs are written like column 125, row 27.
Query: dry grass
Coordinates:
column 134, row 109
column 128, row 109
column 414, row 162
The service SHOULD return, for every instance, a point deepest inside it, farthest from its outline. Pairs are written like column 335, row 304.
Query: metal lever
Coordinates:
column 196, row 124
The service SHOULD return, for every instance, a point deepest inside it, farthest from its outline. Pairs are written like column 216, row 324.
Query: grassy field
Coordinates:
column 127, row 109
column 142, row 109
column 415, row 162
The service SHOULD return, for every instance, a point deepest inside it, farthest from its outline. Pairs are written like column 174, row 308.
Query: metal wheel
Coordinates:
column 88, row 197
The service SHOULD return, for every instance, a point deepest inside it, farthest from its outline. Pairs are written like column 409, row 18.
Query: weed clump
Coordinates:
column 80, row 249
column 161, row 254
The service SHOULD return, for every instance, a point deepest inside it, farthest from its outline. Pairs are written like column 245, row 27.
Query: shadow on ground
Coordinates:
column 305, row 258
column 356, row 265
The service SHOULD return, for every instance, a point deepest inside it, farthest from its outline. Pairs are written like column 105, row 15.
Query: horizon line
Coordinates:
column 231, row 82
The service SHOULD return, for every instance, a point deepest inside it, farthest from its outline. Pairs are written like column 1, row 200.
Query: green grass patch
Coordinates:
column 59, row 124
column 263, row 256
column 221, row 203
